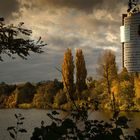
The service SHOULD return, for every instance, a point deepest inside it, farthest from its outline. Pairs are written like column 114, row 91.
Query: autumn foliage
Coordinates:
column 112, row 85
column 81, row 72
column 68, row 72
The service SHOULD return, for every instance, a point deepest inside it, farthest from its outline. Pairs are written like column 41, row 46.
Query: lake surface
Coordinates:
column 33, row 118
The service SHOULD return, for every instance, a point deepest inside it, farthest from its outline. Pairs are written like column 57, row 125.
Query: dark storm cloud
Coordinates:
column 92, row 25
column 7, row 7
column 84, row 5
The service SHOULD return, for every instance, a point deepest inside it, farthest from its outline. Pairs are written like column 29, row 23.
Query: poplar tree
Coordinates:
column 81, row 72
column 68, row 72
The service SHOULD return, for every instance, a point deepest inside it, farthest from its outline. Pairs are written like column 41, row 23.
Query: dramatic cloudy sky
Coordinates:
column 92, row 25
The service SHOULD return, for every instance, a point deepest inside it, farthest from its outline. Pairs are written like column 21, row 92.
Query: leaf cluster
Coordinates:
column 91, row 129
column 16, row 40
column 15, row 130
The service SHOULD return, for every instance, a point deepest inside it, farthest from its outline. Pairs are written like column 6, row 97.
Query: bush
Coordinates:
column 67, row 106
column 25, row 93
column 10, row 101
column 25, row 106
column 39, row 101
column 60, row 98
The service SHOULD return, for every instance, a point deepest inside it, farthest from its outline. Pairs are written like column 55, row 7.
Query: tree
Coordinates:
column 127, row 89
column 68, row 72
column 137, row 87
column 108, row 70
column 6, row 89
column 127, row 95
column 12, row 41
column 10, row 101
column 124, row 75
column 25, row 93
column 81, row 72
column 6, row 96
column 60, row 99
column 46, row 93
column 43, row 100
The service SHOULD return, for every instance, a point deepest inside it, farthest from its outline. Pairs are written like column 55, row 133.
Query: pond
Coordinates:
column 33, row 118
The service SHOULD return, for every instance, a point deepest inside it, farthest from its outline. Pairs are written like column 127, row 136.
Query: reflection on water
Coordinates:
column 33, row 118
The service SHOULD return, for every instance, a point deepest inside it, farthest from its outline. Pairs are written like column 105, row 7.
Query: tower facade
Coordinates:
column 130, row 38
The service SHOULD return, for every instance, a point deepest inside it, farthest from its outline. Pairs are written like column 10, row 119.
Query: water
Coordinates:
column 33, row 118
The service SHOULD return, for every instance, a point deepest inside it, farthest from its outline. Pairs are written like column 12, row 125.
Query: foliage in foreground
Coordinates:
column 16, row 40
column 77, row 127
column 69, row 129
column 18, row 128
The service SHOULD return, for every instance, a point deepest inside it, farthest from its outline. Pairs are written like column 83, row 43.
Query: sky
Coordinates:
column 92, row 25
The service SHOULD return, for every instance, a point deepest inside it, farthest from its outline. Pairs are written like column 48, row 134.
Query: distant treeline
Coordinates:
column 123, row 88
column 28, row 95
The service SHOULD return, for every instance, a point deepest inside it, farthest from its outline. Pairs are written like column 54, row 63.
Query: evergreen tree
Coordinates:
column 68, row 72
column 81, row 72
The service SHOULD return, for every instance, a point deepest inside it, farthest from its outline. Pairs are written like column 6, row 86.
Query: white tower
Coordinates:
column 130, row 38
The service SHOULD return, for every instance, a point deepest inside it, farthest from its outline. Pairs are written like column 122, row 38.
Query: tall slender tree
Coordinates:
column 68, row 72
column 108, row 70
column 81, row 72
